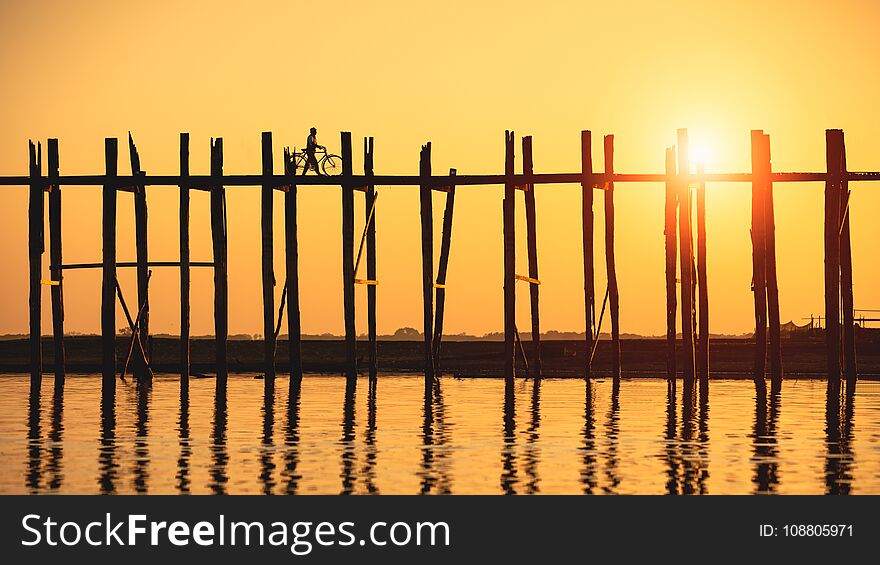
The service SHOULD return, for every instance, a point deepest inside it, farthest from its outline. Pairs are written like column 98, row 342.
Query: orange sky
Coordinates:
column 458, row 74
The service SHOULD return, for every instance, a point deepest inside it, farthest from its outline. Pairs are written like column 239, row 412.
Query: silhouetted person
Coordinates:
column 311, row 147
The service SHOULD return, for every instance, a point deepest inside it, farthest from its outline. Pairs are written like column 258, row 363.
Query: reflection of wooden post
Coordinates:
column 55, row 263
column 532, row 238
column 291, row 251
column 509, row 259
column 427, row 223
column 685, row 237
column 348, row 259
column 440, row 293
column 702, row 281
column 669, row 232
column 143, row 269
column 184, row 259
column 108, row 278
column 221, row 287
column 613, row 294
column 846, row 290
column 833, row 143
column 759, row 277
column 35, row 254
column 770, row 269
column 587, row 227
column 268, row 271
column 370, row 218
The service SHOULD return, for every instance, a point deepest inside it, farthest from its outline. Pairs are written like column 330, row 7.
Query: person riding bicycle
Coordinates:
column 311, row 147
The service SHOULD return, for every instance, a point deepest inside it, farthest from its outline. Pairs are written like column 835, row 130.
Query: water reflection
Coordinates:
column 219, row 453
column 434, row 472
column 291, row 442
column 267, row 449
column 348, row 454
column 183, row 435
column 839, row 456
column 686, row 451
column 34, row 445
column 141, row 451
column 598, row 438
column 532, row 451
column 612, row 433
column 508, row 449
column 766, row 450
column 107, row 465
column 56, row 438
column 588, row 472
column 370, row 447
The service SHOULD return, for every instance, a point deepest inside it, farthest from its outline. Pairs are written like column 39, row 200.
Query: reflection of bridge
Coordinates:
column 678, row 178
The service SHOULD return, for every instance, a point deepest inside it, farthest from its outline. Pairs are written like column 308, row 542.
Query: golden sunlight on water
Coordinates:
column 471, row 436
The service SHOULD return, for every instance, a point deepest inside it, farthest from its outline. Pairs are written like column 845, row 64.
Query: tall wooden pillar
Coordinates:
column 509, row 258
column 55, row 264
column 770, row 270
column 108, row 276
column 440, row 293
column 221, row 285
column 702, row 282
column 268, row 271
column 846, row 281
column 685, row 237
column 36, row 246
column 833, row 144
column 143, row 269
column 370, row 219
column 427, row 224
column 348, row 260
column 291, row 251
column 587, row 226
column 532, row 240
column 611, row 269
column 669, row 232
column 184, row 260
column 759, row 246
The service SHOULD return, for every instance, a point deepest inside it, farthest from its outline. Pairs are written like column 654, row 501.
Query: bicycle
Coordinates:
column 329, row 164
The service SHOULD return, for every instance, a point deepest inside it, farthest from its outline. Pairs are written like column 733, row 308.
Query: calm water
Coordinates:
column 471, row 436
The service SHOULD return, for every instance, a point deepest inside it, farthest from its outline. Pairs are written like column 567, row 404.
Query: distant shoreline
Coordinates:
column 803, row 357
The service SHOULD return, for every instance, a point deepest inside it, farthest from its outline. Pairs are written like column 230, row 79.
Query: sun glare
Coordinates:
column 699, row 154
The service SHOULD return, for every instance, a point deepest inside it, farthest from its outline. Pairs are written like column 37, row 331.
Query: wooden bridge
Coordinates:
column 680, row 185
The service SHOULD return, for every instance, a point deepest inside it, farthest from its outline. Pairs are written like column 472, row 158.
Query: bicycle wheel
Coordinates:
column 332, row 165
column 299, row 163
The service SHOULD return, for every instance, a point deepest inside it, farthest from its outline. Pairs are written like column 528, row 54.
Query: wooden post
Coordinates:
column 184, row 260
column 266, row 216
column 587, row 226
column 509, row 259
column 440, row 292
column 292, row 264
column 108, row 280
column 36, row 246
column 143, row 297
column 532, row 240
column 370, row 218
column 846, row 290
column 833, row 142
column 348, row 259
column 702, row 282
column 55, row 264
column 759, row 277
column 669, row 232
column 685, row 236
column 427, row 224
column 613, row 292
column 770, row 270
column 221, row 287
